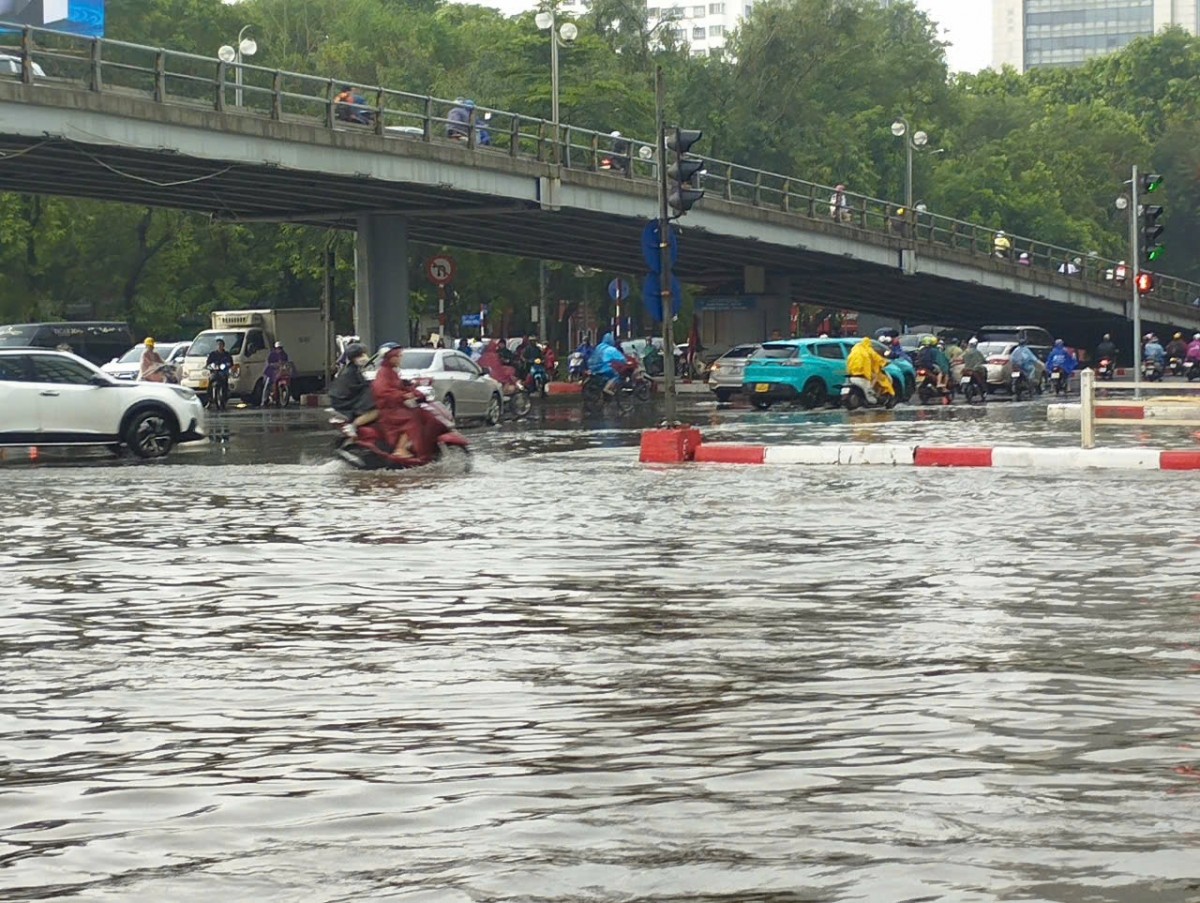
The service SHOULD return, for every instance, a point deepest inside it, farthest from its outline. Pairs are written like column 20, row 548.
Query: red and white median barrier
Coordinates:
column 683, row 445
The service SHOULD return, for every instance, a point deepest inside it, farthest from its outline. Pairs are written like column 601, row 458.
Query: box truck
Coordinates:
column 249, row 336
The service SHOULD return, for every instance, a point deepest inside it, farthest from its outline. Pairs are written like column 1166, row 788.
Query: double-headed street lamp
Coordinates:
column 230, row 54
column 917, row 141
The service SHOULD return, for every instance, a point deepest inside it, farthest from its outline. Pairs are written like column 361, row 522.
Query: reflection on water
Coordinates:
column 566, row 677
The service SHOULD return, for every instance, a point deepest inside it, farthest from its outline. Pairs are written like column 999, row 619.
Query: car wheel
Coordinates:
column 448, row 401
column 760, row 404
column 495, row 406
column 813, row 395
column 724, row 396
column 150, row 434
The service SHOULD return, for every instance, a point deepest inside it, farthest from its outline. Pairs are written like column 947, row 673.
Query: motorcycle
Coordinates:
column 517, row 404
column 1152, row 371
column 1105, row 369
column 858, row 392
column 278, row 391
column 366, row 450
column 972, row 388
column 1191, row 369
column 576, row 367
column 1019, row 386
column 1175, row 366
column 536, row 379
column 218, row 386
column 928, row 387
column 1060, row 381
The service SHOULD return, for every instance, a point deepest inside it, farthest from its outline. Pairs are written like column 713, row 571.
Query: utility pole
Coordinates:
column 664, row 250
column 1137, row 295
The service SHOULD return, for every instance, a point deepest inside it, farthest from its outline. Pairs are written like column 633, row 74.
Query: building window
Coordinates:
column 748, row 8
column 716, row 9
column 716, row 31
column 651, row 12
column 698, row 33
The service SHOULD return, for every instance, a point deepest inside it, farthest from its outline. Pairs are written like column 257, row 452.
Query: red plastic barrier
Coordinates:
column 669, row 446
column 1124, row 412
column 1179, row 460
column 731, row 454
column 953, row 457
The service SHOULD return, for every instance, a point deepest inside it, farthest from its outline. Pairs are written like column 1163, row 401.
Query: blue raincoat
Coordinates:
column 1154, row 352
column 606, row 354
column 1061, row 357
column 1024, row 360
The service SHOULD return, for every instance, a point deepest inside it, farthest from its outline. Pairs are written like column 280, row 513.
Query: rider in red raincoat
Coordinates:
column 405, row 427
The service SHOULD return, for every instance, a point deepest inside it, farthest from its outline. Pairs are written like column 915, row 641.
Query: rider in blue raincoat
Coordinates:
column 1061, row 357
column 604, row 362
column 1153, row 351
column 1026, row 361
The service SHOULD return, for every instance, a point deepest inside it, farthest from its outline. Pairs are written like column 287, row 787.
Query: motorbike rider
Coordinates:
column 218, row 357
column 408, row 429
column 1002, row 245
column 974, row 363
column 1177, row 347
column 1153, row 351
column 1193, row 349
column 867, row 363
column 931, row 357
column 839, row 205
column 620, row 153
column 608, row 362
column 350, row 393
column 897, row 350
column 492, row 361
column 1059, row 356
column 151, row 369
column 459, row 118
column 277, row 362
column 1023, row 360
column 1106, row 350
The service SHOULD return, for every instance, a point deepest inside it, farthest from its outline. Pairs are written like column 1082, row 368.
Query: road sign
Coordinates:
column 652, row 296
column 472, row 319
column 650, row 249
column 618, row 289
column 440, row 269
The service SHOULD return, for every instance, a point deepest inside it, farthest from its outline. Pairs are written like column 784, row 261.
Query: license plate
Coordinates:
column 762, row 387
column 846, row 390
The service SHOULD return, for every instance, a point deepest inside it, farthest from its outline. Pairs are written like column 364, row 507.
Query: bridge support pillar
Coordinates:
column 381, row 299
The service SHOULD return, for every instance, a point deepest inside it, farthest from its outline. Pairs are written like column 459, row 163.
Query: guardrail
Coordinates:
column 103, row 65
column 1128, row 410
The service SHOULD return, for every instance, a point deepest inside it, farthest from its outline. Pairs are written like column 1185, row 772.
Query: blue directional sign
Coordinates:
column 650, row 249
column 618, row 289
column 471, row 320
column 652, row 296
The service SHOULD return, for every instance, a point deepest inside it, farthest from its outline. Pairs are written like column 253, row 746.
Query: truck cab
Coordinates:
column 247, row 343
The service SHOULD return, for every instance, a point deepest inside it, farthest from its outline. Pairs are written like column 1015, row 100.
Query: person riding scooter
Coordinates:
column 931, row 357
column 350, row 393
column 408, row 430
column 278, row 363
column 867, row 363
column 975, row 364
column 1023, row 360
column 608, row 362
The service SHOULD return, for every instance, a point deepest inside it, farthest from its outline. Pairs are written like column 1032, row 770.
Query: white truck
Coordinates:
column 249, row 336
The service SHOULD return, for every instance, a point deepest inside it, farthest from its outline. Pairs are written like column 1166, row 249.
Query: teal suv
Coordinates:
column 811, row 372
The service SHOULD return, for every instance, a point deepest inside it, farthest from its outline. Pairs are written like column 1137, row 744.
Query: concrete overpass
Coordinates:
column 147, row 126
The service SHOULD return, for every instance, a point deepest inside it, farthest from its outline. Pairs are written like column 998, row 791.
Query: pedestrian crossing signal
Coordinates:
column 1145, row 283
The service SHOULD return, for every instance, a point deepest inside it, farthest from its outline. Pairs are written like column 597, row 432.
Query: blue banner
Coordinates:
column 85, row 17
column 471, row 320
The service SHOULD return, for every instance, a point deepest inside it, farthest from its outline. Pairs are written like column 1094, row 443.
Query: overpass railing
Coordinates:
column 170, row 77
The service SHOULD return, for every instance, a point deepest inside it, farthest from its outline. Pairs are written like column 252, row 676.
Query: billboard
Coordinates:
column 84, row 17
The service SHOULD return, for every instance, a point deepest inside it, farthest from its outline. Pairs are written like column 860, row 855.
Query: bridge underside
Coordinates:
column 441, row 215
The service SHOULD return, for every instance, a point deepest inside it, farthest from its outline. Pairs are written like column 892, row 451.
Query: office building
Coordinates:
column 1031, row 33
column 702, row 26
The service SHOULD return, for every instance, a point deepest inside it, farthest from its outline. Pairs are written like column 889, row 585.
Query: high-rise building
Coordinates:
column 702, row 26
column 1031, row 33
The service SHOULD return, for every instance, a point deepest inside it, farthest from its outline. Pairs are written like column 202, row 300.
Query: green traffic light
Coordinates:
column 1152, row 182
column 1155, row 253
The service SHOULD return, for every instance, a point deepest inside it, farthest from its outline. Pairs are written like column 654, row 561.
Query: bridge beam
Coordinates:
column 381, row 299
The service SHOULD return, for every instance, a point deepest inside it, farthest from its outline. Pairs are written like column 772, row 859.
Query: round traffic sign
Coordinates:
column 618, row 289
column 440, row 269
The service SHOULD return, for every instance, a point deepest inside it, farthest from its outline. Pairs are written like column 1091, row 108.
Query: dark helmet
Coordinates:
column 357, row 349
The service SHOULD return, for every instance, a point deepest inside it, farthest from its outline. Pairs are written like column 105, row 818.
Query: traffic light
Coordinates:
column 1152, row 229
column 1145, row 283
column 684, row 170
column 1151, row 182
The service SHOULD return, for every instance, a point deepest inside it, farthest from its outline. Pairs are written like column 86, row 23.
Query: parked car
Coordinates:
column 129, row 365
column 809, row 371
column 456, row 380
column 996, row 355
column 57, row 398
column 725, row 374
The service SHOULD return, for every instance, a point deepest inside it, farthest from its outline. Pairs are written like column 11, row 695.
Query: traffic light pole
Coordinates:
column 664, row 250
column 1134, row 252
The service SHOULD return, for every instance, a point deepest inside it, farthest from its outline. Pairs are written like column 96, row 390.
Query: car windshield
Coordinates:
column 206, row 343
column 410, row 359
column 990, row 349
column 776, row 352
column 133, row 355
column 16, row 336
column 740, row 351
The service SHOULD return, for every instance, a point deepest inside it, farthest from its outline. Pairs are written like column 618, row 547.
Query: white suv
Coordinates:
column 55, row 398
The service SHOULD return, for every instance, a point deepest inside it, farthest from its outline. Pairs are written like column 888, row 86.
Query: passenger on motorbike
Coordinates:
column 491, row 361
column 867, row 363
column 1060, row 357
column 1106, row 350
column 350, row 393
column 1193, row 349
column 1023, row 360
column 974, row 363
column 608, row 362
column 1177, row 347
column 931, row 357
column 1153, row 351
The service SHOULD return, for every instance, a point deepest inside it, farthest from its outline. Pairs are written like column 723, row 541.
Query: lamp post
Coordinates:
column 547, row 20
column 234, row 54
column 913, row 141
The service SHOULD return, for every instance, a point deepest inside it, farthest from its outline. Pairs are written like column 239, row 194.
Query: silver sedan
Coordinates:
column 725, row 376
column 452, row 378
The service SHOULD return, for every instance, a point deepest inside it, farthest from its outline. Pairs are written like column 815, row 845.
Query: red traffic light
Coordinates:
column 1145, row 283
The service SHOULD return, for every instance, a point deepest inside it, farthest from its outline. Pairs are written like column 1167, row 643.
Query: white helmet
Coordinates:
column 973, row 341
column 1196, row 337
column 614, row 134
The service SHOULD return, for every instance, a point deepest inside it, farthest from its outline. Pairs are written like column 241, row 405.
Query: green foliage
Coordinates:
column 807, row 87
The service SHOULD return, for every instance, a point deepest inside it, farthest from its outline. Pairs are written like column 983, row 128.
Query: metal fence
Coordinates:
column 166, row 76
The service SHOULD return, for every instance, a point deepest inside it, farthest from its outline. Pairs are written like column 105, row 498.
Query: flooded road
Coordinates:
column 249, row 674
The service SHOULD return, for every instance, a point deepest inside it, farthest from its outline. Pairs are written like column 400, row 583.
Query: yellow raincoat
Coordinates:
column 867, row 363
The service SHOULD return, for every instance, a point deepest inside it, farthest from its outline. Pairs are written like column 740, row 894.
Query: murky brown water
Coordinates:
column 566, row 677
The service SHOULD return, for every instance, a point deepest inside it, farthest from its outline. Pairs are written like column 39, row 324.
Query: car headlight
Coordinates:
column 184, row 392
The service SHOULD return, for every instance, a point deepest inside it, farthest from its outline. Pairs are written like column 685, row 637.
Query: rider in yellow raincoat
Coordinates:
column 867, row 363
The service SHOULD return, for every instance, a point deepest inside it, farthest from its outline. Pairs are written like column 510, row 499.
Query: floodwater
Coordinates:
column 249, row 674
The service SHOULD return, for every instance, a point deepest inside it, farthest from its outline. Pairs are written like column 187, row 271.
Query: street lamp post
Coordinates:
column 234, row 54
column 917, row 141
column 547, row 20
